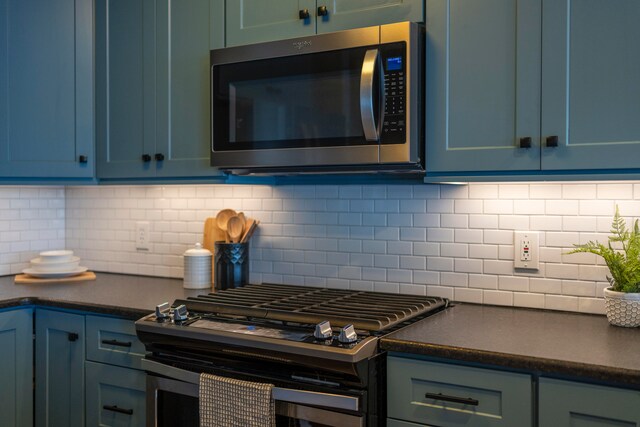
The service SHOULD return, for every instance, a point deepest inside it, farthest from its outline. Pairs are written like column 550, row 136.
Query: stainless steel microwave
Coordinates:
column 345, row 101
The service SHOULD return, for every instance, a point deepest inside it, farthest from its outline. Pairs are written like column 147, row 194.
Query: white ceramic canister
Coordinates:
column 197, row 268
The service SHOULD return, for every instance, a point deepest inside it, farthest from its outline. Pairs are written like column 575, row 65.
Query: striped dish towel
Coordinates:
column 226, row 402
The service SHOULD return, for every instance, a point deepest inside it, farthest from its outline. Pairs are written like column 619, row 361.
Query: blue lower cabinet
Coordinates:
column 445, row 394
column 60, row 350
column 16, row 369
column 115, row 396
column 574, row 404
column 397, row 423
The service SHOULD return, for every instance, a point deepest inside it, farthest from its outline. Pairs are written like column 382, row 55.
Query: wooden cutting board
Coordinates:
column 25, row 278
column 212, row 234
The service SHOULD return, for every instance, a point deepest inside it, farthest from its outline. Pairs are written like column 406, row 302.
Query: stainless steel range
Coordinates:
column 318, row 346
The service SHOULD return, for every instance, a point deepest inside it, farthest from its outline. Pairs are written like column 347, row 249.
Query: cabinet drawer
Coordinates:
column 115, row 396
column 454, row 395
column 568, row 403
column 113, row 341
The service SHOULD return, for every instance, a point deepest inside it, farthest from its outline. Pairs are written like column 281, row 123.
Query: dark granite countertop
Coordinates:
column 552, row 343
column 121, row 295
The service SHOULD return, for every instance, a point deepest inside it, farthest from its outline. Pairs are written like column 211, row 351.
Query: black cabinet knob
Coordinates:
column 552, row 141
column 72, row 336
column 83, row 159
column 525, row 142
column 159, row 157
column 146, row 158
column 304, row 14
column 323, row 11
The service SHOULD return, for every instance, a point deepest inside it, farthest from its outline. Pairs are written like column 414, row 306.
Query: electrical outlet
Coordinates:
column 142, row 235
column 526, row 250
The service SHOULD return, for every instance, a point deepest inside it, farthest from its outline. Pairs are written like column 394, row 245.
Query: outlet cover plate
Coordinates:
column 526, row 253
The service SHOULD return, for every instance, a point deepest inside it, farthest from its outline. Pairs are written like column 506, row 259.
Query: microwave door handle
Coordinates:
column 371, row 59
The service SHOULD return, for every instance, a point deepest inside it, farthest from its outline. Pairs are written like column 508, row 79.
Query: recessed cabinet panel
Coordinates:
column 185, row 36
column 573, row 404
column 16, row 368
column 346, row 14
column 125, row 87
column 482, row 85
column 46, row 117
column 253, row 21
column 591, row 89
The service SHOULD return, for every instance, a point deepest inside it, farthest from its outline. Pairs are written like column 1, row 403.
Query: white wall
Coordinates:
column 31, row 220
column 453, row 241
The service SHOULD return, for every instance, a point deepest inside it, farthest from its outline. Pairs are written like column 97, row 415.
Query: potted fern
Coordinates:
column 622, row 256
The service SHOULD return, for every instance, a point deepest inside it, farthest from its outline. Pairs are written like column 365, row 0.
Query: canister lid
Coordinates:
column 198, row 251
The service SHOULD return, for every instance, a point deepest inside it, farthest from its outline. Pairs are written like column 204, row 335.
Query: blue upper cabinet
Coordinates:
column 482, row 85
column 591, row 84
column 253, row 21
column 152, row 86
column 532, row 87
column 46, row 89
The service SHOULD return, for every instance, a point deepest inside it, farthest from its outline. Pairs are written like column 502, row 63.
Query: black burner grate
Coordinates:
column 370, row 311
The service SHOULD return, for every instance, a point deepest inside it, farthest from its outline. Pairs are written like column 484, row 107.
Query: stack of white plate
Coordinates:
column 55, row 264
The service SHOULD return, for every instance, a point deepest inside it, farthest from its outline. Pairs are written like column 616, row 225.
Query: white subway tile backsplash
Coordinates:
column 454, row 241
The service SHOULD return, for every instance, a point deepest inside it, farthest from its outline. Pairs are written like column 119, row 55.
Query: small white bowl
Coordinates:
column 56, row 256
column 55, row 267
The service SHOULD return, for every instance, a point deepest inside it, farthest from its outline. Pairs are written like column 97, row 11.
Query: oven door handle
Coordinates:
column 367, row 115
column 303, row 397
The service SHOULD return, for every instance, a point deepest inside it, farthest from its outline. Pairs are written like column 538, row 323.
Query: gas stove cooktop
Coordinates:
column 336, row 324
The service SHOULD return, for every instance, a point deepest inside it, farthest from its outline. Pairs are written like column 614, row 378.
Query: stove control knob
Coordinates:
column 180, row 313
column 323, row 331
column 348, row 335
column 162, row 311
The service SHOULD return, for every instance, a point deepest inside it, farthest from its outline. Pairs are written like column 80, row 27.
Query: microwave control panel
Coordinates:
column 394, row 64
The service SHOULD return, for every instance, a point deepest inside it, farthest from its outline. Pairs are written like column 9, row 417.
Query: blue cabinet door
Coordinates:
column 186, row 31
column 253, row 21
column 115, row 396
column 125, row 88
column 482, row 85
column 590, row 84
column 60, row 341
column 16, row 368
column 46, row 88
column 346, row 14
column 573, row 404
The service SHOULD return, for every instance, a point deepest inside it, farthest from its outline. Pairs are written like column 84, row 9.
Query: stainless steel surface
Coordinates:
column 302, row 397
column 317, row 415
column 163, row 310
column 180, row 313
column 404, row 157
column 363, row 350
column 323, row 330
column 348, row 335
column 369, row 64
column 410, row 152
column 301, row 45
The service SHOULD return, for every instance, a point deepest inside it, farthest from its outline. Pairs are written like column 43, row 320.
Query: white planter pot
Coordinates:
column 623, row 309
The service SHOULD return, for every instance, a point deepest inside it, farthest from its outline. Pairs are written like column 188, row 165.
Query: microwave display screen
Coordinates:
column 394, row 64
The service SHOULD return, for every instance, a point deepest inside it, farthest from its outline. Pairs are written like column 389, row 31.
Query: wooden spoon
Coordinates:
column 221, row 221
column 235, row 227
column 250, row 229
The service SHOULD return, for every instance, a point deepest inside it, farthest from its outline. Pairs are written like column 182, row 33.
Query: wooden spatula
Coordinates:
column 212, row 234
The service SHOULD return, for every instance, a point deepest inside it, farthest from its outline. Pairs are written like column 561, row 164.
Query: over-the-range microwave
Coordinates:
column 346, row 101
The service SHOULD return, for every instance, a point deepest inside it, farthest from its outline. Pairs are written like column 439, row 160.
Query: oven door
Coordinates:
column 172, row 400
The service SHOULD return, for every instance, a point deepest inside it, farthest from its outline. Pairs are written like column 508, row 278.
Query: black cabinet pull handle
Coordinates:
column 454, row 399
column 146, row 158
column 114, row 408
column 117, row 343
column 159, row 157
column 525, row 142
column 83, row 159
column 303, row 14
column 552, row 141
column 72, row 336
column 323, row 11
